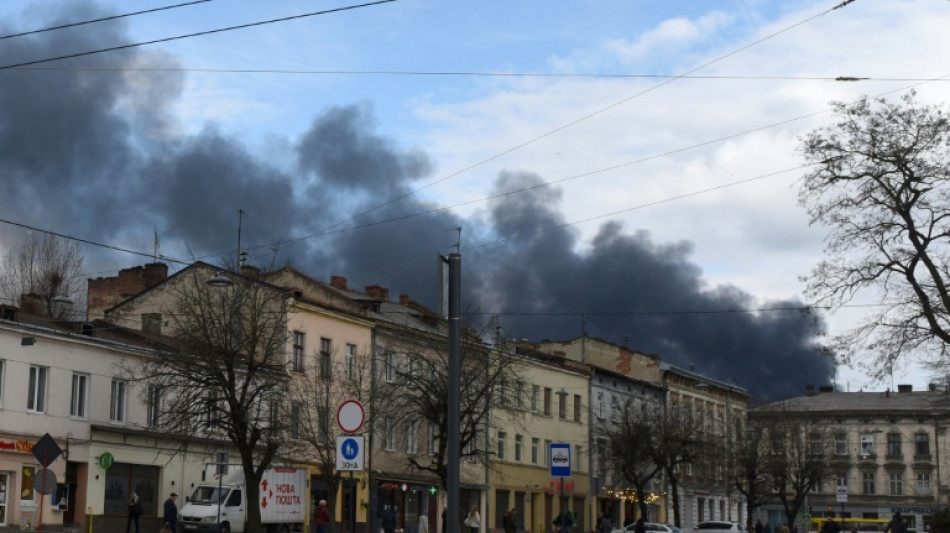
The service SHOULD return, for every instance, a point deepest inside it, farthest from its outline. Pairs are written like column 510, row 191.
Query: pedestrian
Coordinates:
column 170, row 513
column 389, row 520
column 423, row 524
column 640, row 527
column 445, row 514
column 758, row 526
column 473, row 521
column 603, row 525
column 135, row 511
column 896, row 525
column 830, row 526
column 321, row 517
column 766, row 528
column 510, row 521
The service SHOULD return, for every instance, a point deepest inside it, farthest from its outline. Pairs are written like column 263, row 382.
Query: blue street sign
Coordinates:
column 560, row 455
column 350, row 449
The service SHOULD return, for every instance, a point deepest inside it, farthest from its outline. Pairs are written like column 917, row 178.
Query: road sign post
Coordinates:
column 46, row 451
column 560, row 454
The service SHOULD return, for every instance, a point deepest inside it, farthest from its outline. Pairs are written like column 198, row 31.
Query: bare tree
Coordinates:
column 881, row 185
column 630, row 443
column 797, row 459
column 49, row 268
column 325, row 388
column 679, row 442
column 415, row 381
column 227, row 379
column 749, row 475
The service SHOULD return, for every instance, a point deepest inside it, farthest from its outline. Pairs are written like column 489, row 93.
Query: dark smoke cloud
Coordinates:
column 95, row 155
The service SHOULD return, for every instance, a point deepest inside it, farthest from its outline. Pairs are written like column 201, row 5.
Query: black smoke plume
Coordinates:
column 94, row 151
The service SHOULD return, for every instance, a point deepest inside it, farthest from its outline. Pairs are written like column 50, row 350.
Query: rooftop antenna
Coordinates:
column 458, row 242
column 241, row 256
column 156, row 246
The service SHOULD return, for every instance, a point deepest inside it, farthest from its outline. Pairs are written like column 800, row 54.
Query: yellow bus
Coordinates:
column 861, row 525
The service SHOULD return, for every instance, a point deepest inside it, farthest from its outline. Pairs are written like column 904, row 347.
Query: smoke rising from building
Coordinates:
column 98, row 155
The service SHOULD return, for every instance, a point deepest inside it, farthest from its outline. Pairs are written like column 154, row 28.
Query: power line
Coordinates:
column 103, row 19
column 580, row 119
column 435, row 73
column 188, row 35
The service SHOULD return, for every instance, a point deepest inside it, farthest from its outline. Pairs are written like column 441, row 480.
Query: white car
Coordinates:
column 650, row 527
column 716, row 526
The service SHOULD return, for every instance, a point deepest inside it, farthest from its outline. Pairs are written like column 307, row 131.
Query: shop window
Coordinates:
column 122, row 479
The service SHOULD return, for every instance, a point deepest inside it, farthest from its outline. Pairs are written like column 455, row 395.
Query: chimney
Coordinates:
column 251, row 271
column 809, row 390
column 826, row 388
column 377, row 291
column 905, row 388
column 154, row 273
column 338, row 281
column 932, row 387
column 152, row 323
column 31, row 303
column 403, row 299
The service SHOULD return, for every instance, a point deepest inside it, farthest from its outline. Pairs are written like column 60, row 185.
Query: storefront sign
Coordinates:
column 106, row 460
column 17, row 446
column 554, row 486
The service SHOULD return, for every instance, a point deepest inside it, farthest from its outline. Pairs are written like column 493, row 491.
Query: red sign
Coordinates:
column 350, row 416
column 20, row 445
column 554, row 486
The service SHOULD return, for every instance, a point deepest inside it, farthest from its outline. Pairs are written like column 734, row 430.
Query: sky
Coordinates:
column 623, row 168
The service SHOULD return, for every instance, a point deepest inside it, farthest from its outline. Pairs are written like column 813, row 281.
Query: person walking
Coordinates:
column 135, row 511
column 831, row 526
column 321, row 517
column 473, row 520
column 758, row 526
column 170, row 513
column 896, row 525
column 389, row 520
column 604, row 525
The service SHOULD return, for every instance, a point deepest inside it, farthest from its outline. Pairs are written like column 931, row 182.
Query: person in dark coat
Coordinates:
column 135, row 511
column 831, row 526
column 640, row 527
column 389, row 520
column 510, row 521
column 170, row 513
column 896, row 525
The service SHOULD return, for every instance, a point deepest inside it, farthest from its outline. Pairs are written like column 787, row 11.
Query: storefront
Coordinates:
column 409, row 502
column 20, row 502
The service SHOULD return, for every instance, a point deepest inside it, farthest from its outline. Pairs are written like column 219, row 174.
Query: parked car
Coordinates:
column 653, row 527
column 716, row 526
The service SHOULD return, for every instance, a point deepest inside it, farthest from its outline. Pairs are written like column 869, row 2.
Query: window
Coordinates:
column 814, row 443
column 577, row 460
column 36, row 400
column 433, row 439
column 841, row 444
column 535, row 392
column 389, row 430
column 867, row 444
column 562, row 405
column 519, row 443
column 502, row 391
column 297, row 359
column 893, row 444
column 841, row 481
column 547, row 400
column 389, row 363
column 502, row 436
column 897, row 484
column 577, row 407
column 117, row 401
column 295, row 420
column 867, row 482
column 155, row 404
column 547, row 451
column 323, row 425
column 923, row 483
column 349, row 362
column 535, row 450
column 326, row 353
column 600, row 405
column 519, row 395
column 922, row 444
column 615, row 409
column 601, row 456
column 79, row 398
column 2, row 368
column 412, row 438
